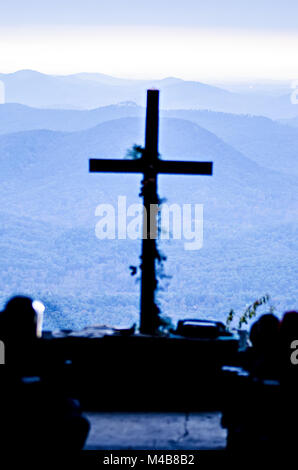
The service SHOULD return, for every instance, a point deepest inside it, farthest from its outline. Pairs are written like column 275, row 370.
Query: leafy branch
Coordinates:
column 249, row 313
column 135, row 152
column 162, row 323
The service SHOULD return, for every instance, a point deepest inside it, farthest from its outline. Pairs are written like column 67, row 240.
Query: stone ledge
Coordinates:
column 153, row 431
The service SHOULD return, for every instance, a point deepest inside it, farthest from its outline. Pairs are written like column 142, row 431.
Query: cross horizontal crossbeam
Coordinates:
column 160, row 166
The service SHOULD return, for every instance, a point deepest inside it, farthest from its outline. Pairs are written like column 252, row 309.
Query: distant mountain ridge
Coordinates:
column 90, row 90
column 269, row 143
column 86, row 91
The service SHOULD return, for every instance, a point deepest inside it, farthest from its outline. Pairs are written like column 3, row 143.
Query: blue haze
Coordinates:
column 48, row 246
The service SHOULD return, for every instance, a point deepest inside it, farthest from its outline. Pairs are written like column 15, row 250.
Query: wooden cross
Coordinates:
column 150, row 165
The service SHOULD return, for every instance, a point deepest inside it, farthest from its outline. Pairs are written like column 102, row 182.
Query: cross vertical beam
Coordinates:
column 149, row 312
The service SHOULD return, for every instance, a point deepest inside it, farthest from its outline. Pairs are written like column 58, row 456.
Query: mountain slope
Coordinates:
column 46, row 157
column 49, row 249
column 269, row 143
column 17, row 117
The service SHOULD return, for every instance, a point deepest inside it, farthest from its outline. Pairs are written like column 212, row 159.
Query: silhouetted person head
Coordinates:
column 264, row 332
column 264, row 338
column 20, row 319
column 289, row 327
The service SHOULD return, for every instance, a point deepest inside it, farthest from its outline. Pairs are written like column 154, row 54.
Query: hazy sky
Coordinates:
column 192, row 39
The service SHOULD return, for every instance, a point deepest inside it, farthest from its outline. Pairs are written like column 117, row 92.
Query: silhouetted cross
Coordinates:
column 150, row 165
